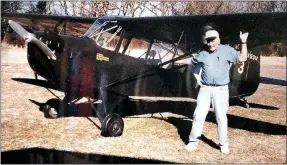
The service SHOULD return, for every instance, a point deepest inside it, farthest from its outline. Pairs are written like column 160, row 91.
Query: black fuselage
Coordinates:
column 87, row 67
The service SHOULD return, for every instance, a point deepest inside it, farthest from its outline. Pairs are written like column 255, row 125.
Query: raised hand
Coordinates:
column 243, row 36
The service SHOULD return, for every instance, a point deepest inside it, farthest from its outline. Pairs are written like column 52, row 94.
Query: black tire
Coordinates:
column 51, row 108
column 50, row 112
column 112, row 125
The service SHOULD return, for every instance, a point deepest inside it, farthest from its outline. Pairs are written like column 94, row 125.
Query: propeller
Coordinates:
column 29, row 37
column 21, row 31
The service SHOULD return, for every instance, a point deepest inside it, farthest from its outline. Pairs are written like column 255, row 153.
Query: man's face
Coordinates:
column 212, row 43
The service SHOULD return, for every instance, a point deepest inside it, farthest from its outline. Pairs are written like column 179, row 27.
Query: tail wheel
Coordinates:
column 112, row 125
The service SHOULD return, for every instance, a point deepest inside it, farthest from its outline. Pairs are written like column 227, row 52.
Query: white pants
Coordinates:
column 219, row 96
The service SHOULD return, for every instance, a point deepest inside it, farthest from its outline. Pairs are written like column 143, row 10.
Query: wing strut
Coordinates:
column 175, row 51
column 59, row 23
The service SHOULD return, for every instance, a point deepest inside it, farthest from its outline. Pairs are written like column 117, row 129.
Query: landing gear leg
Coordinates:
column 246, row 104
column 36, row 75
column 111, row 123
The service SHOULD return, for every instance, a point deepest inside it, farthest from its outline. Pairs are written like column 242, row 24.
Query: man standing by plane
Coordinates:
column 215, row 61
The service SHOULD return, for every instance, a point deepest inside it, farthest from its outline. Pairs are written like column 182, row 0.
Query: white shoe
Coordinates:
column 191, row 146
column 224, row 149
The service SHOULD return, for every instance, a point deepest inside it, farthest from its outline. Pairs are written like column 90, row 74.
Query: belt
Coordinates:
column 214, row 85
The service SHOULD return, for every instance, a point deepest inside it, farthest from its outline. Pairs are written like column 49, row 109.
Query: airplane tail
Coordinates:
column 245, row 76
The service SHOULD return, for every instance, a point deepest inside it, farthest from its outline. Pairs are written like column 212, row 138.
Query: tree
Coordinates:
column 201, row 8
column 99, row 8
column 10, row 6
column 127, row 8
column 267, row 6
column 41, row 7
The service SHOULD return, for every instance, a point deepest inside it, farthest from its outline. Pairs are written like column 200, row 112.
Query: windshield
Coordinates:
column 105, row 32
column 98, row 24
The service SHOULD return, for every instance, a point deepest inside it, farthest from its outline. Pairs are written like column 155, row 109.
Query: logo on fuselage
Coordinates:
column 101, row 57
column 252, row 56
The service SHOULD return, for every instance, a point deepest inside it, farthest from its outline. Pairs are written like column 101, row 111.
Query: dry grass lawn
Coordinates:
column 257, row 134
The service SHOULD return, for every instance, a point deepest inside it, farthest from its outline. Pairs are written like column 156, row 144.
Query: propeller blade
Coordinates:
column 20, row 30
column 29, row 37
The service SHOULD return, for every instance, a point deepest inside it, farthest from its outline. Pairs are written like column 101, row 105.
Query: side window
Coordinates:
column 159, row 52
column 137, row 48
column 109, row 40
column 123, row 46
column 163, row 52
column 152, row 58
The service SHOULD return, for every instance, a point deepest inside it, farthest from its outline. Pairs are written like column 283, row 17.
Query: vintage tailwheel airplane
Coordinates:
column 113, row 58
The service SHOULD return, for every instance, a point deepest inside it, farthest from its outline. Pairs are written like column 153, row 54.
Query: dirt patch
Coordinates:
column 13, row 55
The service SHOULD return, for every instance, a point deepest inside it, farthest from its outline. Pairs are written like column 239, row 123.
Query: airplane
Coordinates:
column 113, row 58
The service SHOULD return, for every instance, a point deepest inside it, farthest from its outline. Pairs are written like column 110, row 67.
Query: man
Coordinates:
column 215, row 61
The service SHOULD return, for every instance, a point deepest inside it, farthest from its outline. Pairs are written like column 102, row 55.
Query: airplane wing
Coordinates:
column 263, row 28
column 71, row 25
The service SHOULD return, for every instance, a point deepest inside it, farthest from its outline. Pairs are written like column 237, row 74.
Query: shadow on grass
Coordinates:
column 41, row 83
column 237, row 102
column 273, row 81
column 187, row 109
column 47, row 156
column 131, row 108
column 81, row 110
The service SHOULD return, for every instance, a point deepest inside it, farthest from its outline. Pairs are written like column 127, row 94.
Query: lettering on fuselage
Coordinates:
column 101, row 57
column 242, row 64
column 252, row 56
column 241, row 68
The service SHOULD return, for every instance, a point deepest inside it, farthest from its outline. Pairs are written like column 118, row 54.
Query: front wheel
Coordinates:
column 51, row 108
column 50, row 112
column 112, row 125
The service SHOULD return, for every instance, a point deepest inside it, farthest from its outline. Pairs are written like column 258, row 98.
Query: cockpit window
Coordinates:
column 159, row 53
column 109, row 40
column 108, row 34
column 105, row 32
column 137, row 48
